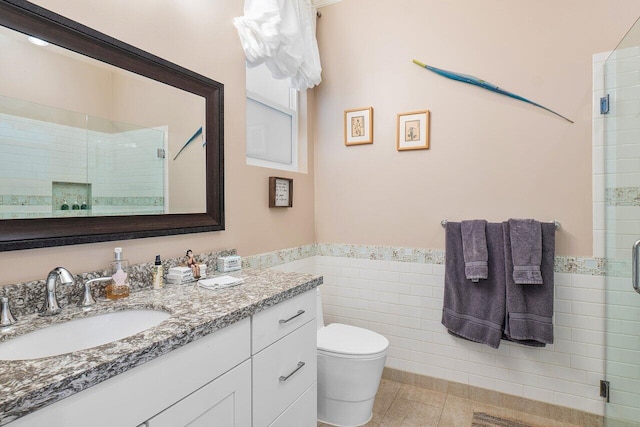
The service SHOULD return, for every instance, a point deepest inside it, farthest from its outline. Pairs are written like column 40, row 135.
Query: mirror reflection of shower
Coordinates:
column 97, row 113
column 57, row 163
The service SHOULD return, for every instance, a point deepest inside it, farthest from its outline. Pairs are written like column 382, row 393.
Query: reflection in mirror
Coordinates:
column 114, row 157
column 92, row 137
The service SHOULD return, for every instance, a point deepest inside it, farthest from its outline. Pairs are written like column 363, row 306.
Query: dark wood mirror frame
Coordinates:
column 17, row 234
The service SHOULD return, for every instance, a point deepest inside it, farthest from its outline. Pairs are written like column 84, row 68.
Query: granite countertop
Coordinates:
column 28, row 385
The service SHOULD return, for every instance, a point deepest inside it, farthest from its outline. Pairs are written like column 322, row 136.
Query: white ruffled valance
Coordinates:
column 282, row 35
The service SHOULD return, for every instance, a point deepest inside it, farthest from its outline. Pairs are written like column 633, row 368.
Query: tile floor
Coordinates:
column 403, row 405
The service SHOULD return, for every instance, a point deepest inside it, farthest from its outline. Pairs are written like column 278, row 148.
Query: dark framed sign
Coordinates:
column 280, row 192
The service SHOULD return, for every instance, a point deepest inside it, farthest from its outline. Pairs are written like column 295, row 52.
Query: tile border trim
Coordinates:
column 563, row 264
column 622, row 196
column 279, row 257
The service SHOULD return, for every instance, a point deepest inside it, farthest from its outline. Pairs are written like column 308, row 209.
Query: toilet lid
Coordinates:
column 346, row 339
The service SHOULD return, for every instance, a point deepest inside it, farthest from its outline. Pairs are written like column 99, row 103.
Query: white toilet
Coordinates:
column 350, row 364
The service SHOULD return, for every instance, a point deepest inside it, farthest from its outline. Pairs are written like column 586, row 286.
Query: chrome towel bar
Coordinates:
column 556, row 223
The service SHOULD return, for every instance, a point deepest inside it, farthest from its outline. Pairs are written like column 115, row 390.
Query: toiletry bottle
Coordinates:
column 75, row 206
column 119, row 288
column 65, row 206
column 158, row 280
column 83, row 206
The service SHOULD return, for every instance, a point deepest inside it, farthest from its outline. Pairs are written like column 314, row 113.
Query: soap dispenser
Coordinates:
column 119, row 268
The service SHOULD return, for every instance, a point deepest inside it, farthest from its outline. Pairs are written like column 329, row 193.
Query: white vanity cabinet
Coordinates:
column 284, row 363
column 258, row 372
column 169, row 386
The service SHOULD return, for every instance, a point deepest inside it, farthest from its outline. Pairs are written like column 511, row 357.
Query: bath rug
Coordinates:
column 481, row 419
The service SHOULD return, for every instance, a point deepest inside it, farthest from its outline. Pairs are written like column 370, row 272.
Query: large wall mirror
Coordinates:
column 100, row 140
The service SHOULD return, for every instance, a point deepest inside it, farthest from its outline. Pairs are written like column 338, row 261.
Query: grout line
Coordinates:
column 442, row 409
column 395, row 395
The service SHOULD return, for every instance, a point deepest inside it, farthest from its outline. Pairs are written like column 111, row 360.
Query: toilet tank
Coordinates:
column 319, row 316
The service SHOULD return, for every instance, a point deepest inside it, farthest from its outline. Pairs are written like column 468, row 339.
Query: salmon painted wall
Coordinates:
column 491, row 156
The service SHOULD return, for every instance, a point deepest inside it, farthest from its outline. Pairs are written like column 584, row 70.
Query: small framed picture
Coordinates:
column 413, row 131
column 358, row 126
column 280, row 192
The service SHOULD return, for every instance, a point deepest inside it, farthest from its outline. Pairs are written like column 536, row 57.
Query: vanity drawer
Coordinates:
column 270, row 325
column 282, row 372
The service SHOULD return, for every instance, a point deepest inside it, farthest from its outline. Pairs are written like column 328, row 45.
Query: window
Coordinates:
column 276, row 137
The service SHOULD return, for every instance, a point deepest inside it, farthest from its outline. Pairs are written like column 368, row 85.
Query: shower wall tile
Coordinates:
column 615, row 168
column 597, row 127
column 598, row 185
column 52, row 152
column 599, row 243
column 598, row 215
column 598, row 160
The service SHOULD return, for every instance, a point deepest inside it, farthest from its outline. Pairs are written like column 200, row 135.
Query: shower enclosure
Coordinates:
column 620, row 109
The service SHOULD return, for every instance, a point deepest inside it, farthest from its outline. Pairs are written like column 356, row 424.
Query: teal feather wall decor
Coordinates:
column 472, row 80
column 194, row 136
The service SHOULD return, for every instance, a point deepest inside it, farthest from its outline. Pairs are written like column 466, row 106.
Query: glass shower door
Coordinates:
column 622, row 231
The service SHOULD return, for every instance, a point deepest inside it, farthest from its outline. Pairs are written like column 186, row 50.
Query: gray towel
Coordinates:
column 529, row 311
column 474, row 311
column 526, row 245
column 474, row 247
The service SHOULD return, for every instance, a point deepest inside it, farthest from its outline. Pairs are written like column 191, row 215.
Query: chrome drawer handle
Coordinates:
column 300, row 365
column 634, row 266
column 299, row 313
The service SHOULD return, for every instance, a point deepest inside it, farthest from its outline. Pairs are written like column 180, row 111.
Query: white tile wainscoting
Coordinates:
column 402, row 300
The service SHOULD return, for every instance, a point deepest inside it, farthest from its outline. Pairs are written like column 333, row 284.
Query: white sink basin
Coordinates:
column 80, row 334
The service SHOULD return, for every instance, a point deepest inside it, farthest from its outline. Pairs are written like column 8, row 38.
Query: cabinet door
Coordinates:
column 222, row 402
column 302, row 413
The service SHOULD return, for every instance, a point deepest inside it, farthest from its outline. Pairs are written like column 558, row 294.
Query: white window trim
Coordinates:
column 293, row 102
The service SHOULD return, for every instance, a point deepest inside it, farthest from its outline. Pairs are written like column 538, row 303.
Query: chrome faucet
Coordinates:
column 6, row 318
column 51, row 306
column 87, row 298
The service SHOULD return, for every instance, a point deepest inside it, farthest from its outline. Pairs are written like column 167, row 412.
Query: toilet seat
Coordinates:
column 351, row 341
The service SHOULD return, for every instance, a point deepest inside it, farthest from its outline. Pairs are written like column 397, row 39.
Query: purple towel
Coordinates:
column 529, row 309
column 471, row 310
column 474, row 248
column 526, row 246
